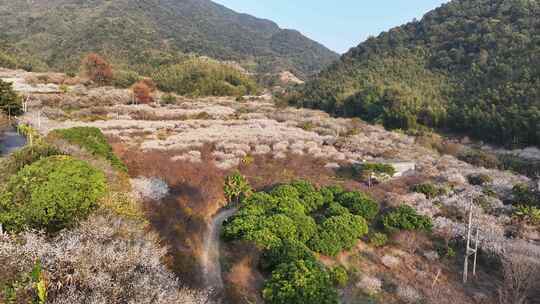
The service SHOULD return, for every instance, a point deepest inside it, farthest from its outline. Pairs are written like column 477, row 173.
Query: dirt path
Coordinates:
column 211, row 254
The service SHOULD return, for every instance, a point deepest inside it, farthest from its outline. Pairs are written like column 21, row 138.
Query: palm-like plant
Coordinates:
column 236, row 188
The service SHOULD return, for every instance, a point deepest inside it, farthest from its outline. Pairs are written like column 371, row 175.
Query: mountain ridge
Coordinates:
column 58, row 31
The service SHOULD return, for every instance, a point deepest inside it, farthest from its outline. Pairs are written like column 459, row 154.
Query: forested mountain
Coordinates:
column 470, row 66
column 145, row 33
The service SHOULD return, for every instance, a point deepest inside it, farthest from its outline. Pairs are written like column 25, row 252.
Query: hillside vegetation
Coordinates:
column 204, row 77
column 468, row 66
column 144, row 34
column 313, row 216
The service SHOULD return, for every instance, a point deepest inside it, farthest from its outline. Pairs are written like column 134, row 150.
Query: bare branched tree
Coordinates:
column 521, row 271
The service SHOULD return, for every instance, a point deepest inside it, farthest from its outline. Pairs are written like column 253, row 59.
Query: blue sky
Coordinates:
column 338, row 24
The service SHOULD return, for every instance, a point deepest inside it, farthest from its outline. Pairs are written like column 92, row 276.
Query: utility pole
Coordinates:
column 468, row 250
column 475, row 251
column 26, row 99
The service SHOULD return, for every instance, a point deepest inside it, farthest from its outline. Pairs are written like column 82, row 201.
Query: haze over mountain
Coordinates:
column 138, row 33
column 470, row 66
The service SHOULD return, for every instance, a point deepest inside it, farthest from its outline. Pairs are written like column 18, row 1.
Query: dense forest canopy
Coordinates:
column 143, row 33
column 469, row 66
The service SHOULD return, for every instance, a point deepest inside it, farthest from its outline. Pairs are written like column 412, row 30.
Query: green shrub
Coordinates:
column 288, row 252
column 305, row 226
column 282, row 223
column 520, row 165
column 51, row 194
column 307, row 125
column 64, row 88
column 331, row 193
column 335, row 209
column 360, row 204
column 25, row 156
column 338, row 233
column 21, row 60
column 247, row 220
column 378, row 239
column 287, row 200
column 125, row 78
column 236, row 188
column 446, row 251
column 484, row 203
column 309, row 196
column 488, row 191
column 479, row 179
column 480, row 158
column 450, row 252
column 300, row 282
column 267, row 220
column 339, row 276
column 375, row 168
column 285, row 191
column 429, row 190
column 268, row 231
column 92, row 140
column 201, row 77
column 525, row 195
column 529, row 214
column 10, row 102
column 406, row 218
column 7, row 61
column 168, row 99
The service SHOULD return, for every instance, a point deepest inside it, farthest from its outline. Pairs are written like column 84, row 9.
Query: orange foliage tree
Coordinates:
column 97, row 68
column 142, row 91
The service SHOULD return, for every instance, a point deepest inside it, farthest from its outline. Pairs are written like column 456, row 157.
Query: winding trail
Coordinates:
column 11, row 141
column 211, row 254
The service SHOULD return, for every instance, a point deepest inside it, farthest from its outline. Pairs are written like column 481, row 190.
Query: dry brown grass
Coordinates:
column 243, row 280
column 266, row 171
column 411, row 241
column 198, row 187
column 399, row 186
column 179, row 219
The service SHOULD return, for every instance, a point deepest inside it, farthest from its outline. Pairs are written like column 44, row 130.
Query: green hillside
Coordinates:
column 142, row 34
column 469, row 66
